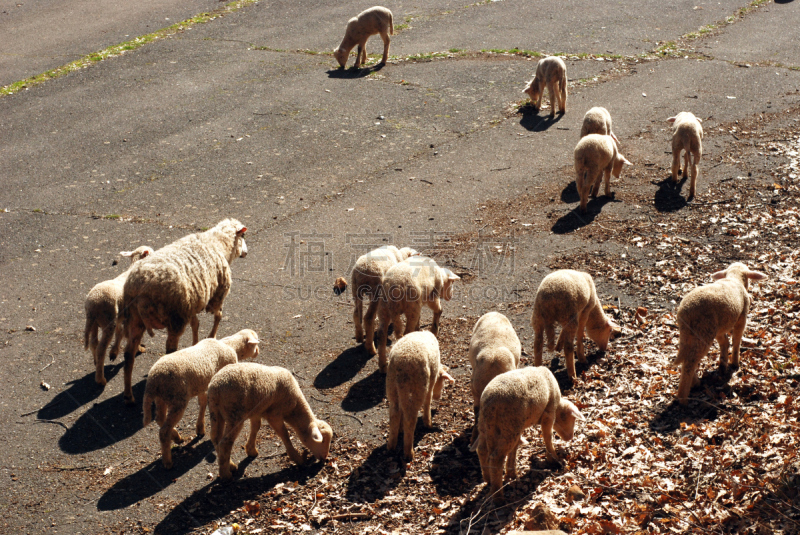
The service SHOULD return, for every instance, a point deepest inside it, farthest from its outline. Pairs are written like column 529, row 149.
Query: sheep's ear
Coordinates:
column 451, row 276
column 316, row 436
column 448, row 377
column 240, row 229
column 576, row 413
column 252, row 340
column 699, row 120
column 145, row 253
column 719, row 275
column 625, row 161
column 671, row 120
column 128, row 254
column 756, row 275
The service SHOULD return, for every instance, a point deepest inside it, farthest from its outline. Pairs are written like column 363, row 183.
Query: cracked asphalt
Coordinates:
column 246, row 116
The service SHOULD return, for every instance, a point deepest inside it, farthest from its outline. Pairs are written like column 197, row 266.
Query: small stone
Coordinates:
column 575, row 494
column 30, row 328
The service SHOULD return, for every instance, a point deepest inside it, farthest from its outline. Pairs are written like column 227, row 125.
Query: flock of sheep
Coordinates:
column 168, row 288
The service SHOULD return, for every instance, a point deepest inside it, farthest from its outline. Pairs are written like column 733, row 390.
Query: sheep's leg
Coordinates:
column 100, row 354
column 568, row 331
column 693, row 183
column 511, row 463
column 173, row 337
column 250, row 447
column 359, row 51
column 217, row 426
column 135, row 333
column 395, row 419
column 412, row 322
column 364, row 54
column 225, row 445
column 582, row 319
column 409, row 426
column 161, row 411
column 369, row 325
column 168, row 433
column 427, row 419
column 547, row 436
column 563, row 88
column 676, row 163
column 202, row 400
column 476, row 409
column 277, row 423
column 217, row 319
column 195, row 323
column 551, row 88
column 538, row 346
column 386, row 41
column 736, row 334
column 436, row 306
column 358, row 311
column 119, row 334
column 606, row 182
column 687, row 381
column 495, row 464
column 382, row 356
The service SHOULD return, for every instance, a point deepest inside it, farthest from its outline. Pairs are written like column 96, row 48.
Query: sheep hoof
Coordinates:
column 112, row 356
column 100, row 381
column 130, row 400
column 167, row 464
column 252, row 452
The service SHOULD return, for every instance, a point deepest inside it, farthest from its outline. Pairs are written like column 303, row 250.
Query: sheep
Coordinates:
column 494, row 349
column 687, row 134
column 569, row 298
column 597, row 121
column 102, row 306
column 711, row 312
column 177, row 378
column 406, row 286
column 170, row 287
column 250, row 391
column 596, row 158
column 414, row 377
column 512, row 402
column 366, row 281
column 550, row 71
column 374, row 20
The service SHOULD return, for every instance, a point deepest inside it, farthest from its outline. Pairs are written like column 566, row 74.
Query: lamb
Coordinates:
column 510, row 403
column 102, row 306
column 569, row 298
column 494, row 349
column 250, row 391
column 177, row 378
column 597, row 121
column 170, row 287
column 415, row 376
column 374, row 20
column 711, row 312
column 366, row 282
column 596, row 158
column 687, row 135
column 406, row 287
column 550, row 71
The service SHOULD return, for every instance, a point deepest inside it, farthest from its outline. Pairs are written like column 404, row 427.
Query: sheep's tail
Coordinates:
column 147, row 408
column 90, row 325
column 477, row 443
column 391, row 24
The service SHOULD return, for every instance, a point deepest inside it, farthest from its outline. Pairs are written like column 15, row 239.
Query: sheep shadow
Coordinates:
column 570, row 193
column 154, row 478
column 668, row 197
column 343, row 368
column 575, row 219
column 352, row 72
column 455, row 458
column 366, row 393
column 558, row 365
column 699, row 407
column 217, row 499
column 80, row 392
column 104, row 424
column 533, row 122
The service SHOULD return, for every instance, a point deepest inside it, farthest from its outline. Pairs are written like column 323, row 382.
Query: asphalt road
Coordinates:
column 239, row 118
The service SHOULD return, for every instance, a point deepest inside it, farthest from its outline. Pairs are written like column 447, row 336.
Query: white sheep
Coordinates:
column 687, row 135
column 169, row 288
column 569, row 298
column 597, row 121
column 711, row 312
column 596, row 159
column 415, row 376
column 102, row 306
column 493, row 349
column 250, row 391
column 374, row 20
column 406, row 286
column 551, row 71
column 512, row 402
column 365, row 282
column 178, row 377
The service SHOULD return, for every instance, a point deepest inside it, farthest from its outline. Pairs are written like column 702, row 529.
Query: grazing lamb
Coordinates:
column 687, row 134
column 250, row 391
column 596, row 159
column 415, row 376
column 494, row 349
column 569, row 298
column 512, row 402
column 170, row 287
column 102, row 306
column 711, row 312
column 366, row 282
column 177, row 378
column 369, row 22
column 407, row 286
column 597, row 121
column 551, row 72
